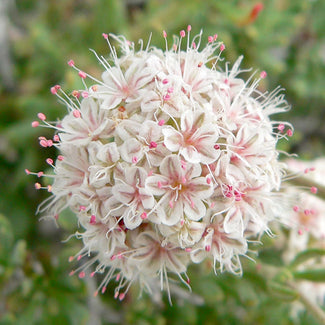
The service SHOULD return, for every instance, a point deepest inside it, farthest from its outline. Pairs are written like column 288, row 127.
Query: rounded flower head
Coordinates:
column 166, row 160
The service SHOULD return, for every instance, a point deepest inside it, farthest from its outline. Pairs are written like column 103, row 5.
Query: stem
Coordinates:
column 305, row 181
column 312, row 307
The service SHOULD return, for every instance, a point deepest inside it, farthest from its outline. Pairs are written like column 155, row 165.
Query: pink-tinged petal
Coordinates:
column 131, row 150
column 108, row 153
column 190, row 154
column 135, row 176
column 172, row 139
column 156, row 156
column 157, row 184
column 110, row 101
column 146, row 198
column 200, row 188
column 150, row 131
column 124, row 193
column 131, row 221
column 173, row 210
column 194, row 208
column 192, row 171
column 128, row 129
column 151, row 101
column 171, row 168
column 233, row 222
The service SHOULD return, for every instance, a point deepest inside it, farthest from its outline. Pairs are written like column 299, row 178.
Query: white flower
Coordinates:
column 165, row 160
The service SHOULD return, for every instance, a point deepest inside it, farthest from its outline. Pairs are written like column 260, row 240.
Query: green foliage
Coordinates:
column 286, row 40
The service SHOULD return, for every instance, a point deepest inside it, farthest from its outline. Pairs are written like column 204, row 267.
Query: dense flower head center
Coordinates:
column 165, row 160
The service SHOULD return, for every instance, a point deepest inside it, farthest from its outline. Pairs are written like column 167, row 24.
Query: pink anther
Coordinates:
column 143, row 216
column 76, row 113
column 82, row 75
column 164, row 34
column 105, row 35
column 85, row 94
column 41, row 116
column 35, row 124
column 92, row 220
column 222, row 47
column 82, row 274
column 182, row 33
column 153, row 144
column 71, row 63
column 313, row 189
column 263, row 74
column 161, row 122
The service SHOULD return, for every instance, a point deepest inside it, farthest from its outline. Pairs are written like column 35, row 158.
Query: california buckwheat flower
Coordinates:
column 166, row 160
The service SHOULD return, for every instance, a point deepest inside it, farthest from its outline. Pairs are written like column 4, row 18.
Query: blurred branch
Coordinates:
column 6, row 66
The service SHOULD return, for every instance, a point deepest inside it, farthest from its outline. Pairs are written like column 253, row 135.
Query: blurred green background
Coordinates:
column 37, row 38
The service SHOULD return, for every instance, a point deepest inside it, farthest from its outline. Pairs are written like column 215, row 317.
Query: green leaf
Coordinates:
column 6, row 237
column 19, row 253
column 316, row 275
column 282, row 291
column 306, row 255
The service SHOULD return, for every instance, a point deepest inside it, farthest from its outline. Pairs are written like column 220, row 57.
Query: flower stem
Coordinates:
column 304, row 181
column 311, row 307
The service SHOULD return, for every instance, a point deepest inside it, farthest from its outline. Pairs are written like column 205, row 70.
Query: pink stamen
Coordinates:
column 161, row 122
column 71, row 258
column 56, row 138
column 49, row 143
column 92, row 220
column 295, row 208
column 118, row 276
column 105, row 35
column 207, row 248
column 281, row 127
column 40, row 174
column 189, row 28
column 71, row 63
column 85, row 94
column 41, row 116
column 103, row 289
column 144, row 216
column 79, row 257
column 76, row 113
column 134, row 160
column 60, row 157
column 164, row 34
column 92, row 274
column 222, row 47
column 27, row 171
column 82, row 275
column 215, row 36
column 82, row 74
column 152, row 145
column 210, row 39
column 289, row 133
column 76, row 93
column 121, row 296
column 263, row 74
column 116, row 294
column 209, row 180
column 165, row 81
column 38, row 186
column 35, row 124
column 300, row 232
column 49, row 161
column 182, row 33
column 313, row 189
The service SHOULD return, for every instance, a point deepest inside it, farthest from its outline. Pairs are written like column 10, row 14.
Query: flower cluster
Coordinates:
column 165, row 161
